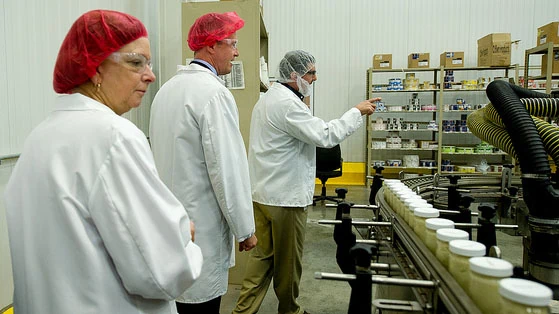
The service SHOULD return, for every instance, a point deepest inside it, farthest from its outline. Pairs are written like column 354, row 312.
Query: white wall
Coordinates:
column 342, row 34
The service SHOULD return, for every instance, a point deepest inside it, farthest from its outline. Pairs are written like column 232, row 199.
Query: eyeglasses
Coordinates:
column 311, row 72
column 135, row 61
column 231, row 42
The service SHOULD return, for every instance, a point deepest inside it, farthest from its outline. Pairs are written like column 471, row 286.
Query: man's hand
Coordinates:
column 367, row 107
column 248, row 244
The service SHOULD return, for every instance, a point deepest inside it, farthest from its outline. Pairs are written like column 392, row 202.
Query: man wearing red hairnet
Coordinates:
column 200, row 155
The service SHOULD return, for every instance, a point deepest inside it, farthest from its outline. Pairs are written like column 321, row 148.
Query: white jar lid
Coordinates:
column 387, row 181
column 409, row 196
column 415, row 200
column 405, row 191
column 525, row 291
column 398, row 185
column 419, row 204
column 402, row 192
column 466, row 248
column 438, row 223
column 414, row 206
column 426, row 212
column 395, row 186
column 447, row 235
column 491, row 266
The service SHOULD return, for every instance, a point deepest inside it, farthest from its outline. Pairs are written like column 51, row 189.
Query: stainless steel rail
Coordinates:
column 355, row 223
column 408, row 250
column 459, row 225
column 6, row 157
column 379, row 280
column 356, row 206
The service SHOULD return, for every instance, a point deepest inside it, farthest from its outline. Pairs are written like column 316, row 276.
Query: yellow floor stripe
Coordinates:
column 8, row 311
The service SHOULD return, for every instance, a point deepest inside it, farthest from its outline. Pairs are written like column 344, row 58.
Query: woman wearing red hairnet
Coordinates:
column 92, row 228
column 200, row 155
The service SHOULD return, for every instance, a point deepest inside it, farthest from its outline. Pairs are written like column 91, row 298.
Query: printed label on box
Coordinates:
column 457, row 61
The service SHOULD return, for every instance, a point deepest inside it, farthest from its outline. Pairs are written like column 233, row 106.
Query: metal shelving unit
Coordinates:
column 438, row 94
column 545, row 49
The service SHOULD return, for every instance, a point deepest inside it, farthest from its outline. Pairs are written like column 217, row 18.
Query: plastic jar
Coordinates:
column 444, row 236
column 390, row 188
column 410, row 203
column 406, row 198
column 431, row 227
column 398, row 199
column 458, row 259
column 421, row 214
column 485, row 274
column 411, row 213
column 519, row 296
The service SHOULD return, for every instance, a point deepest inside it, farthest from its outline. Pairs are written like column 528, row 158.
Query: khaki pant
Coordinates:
column 278, row 256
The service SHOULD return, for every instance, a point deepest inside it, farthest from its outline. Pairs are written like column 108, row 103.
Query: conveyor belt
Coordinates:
column 483, row 188
column 417, row 262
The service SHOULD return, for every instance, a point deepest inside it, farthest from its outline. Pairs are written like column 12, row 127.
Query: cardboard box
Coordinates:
column 418, row 60
column 494, row 50
column 452, row 59
column 548, row 33
column 382, row 61
column 554, row 67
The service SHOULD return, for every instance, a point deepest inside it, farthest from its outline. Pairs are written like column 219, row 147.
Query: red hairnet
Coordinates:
column 91, row 39
column 213, row 27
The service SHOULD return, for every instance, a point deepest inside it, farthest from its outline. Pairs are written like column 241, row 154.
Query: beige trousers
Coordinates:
column 278, row 256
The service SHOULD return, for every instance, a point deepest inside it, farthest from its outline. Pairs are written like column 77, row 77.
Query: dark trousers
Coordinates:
column 209, row 307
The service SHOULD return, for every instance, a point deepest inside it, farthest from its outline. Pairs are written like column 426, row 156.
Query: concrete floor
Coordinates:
column 332, row 297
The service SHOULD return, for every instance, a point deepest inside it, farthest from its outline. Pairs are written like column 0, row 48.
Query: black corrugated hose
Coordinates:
column 540, row 196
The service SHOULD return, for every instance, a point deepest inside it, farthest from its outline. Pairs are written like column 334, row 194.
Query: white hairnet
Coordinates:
column 297, row 61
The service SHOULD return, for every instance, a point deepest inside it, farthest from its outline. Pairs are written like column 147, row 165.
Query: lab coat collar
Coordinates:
column 79, row 102
column 197, row 68
column 294, row 91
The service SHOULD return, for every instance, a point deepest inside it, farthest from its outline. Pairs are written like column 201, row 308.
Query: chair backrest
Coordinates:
column 328, row 159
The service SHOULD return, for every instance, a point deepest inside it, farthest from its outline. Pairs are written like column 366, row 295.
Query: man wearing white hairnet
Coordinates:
column 283, row 139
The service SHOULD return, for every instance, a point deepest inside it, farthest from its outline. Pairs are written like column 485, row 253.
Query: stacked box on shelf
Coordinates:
column 494, row 50
column 548, row 33
column 452, row 59
column 418, row 60
column 382, row 61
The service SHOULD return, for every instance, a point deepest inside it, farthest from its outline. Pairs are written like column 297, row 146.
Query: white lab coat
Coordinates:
column 283, row 139
column 92, row 228
column 200, row 155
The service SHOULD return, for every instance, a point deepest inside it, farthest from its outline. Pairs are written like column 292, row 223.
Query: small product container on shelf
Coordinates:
column 444, row 236
column 520, row 296
column 421, row 214
column 458, row 260
column 485, row 273
column 431, row 227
